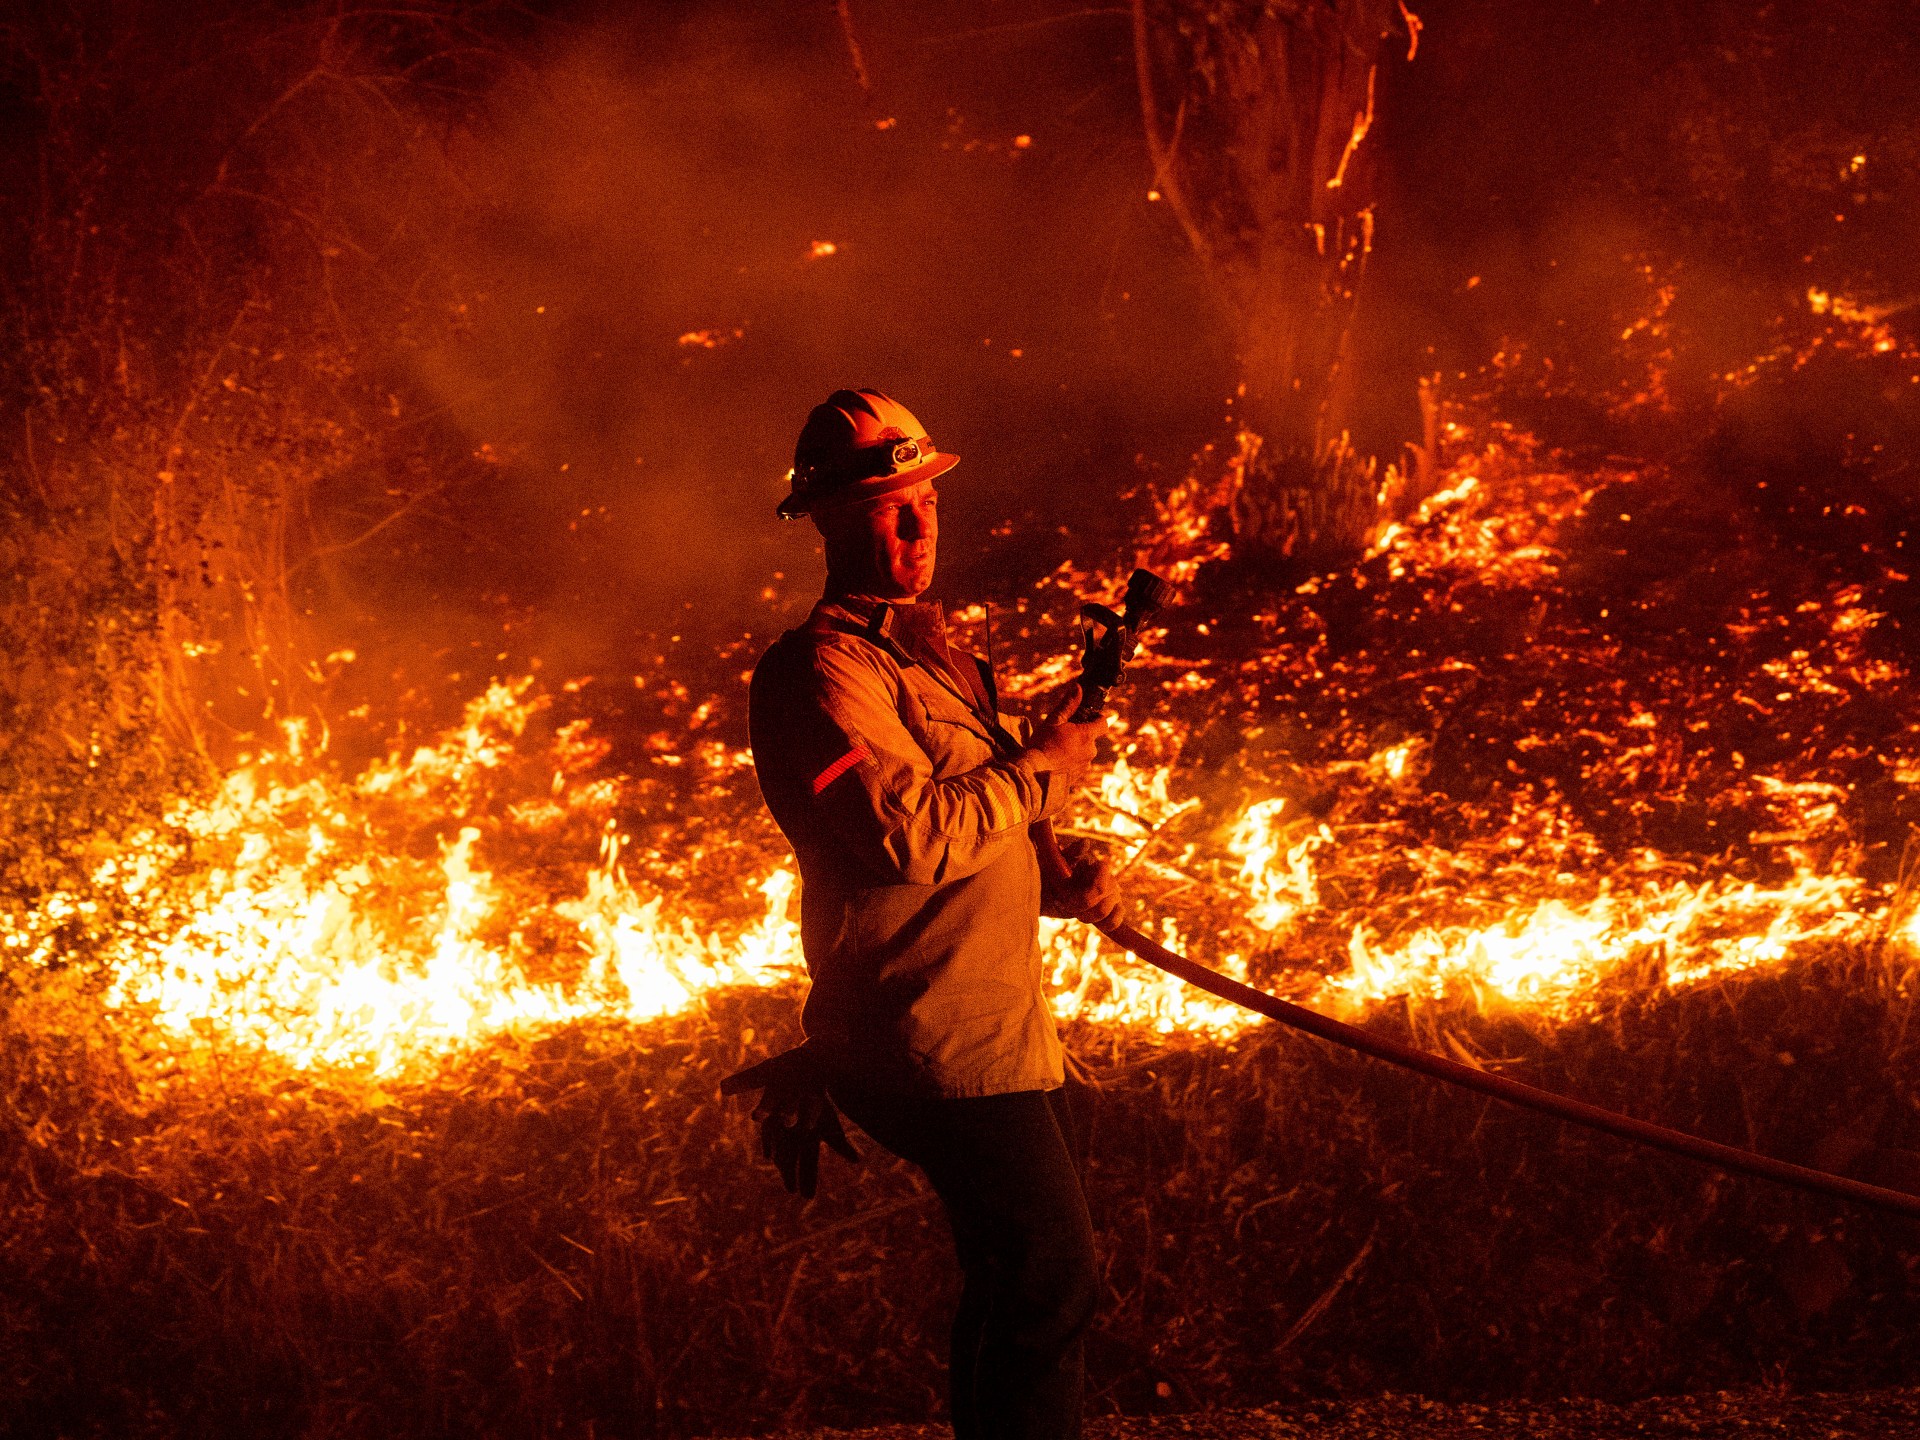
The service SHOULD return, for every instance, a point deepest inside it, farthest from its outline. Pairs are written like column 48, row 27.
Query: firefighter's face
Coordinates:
column 886, row 546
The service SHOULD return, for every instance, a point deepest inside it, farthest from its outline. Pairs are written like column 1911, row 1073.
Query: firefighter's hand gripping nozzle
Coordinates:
column 1110, row 639
column 1109, row 642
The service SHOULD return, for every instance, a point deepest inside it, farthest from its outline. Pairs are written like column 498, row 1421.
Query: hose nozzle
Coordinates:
column 1109, row 639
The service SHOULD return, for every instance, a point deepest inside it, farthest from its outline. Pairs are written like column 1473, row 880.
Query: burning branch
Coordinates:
column 1166, row 176
column 843, row 9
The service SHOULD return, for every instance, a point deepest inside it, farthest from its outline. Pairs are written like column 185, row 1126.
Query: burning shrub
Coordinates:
column 355, row 1084
column 394, row 1095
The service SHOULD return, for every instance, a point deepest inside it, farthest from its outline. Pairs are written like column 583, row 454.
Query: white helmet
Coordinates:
column 859, row 444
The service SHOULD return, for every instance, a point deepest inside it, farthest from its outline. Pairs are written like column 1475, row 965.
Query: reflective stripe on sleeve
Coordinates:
column 840, row 767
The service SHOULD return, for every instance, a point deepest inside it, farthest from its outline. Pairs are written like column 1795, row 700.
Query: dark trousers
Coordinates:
column 1008, row 1169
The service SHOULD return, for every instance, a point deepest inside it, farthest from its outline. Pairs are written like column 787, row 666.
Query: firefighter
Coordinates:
column 908, row 798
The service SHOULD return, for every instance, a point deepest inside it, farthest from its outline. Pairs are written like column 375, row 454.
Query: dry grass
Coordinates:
column 570, row 1235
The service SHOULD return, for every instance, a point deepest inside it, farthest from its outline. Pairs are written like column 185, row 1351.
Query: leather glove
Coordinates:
column 795, row 1116
column 1091, row 892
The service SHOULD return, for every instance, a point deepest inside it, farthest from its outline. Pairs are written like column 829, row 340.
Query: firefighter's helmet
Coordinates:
column 859, row 444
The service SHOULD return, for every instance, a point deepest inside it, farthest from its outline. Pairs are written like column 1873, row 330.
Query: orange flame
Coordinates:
column 278, row 917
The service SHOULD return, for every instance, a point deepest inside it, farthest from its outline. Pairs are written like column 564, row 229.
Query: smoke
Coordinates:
column 494, row 332
column 1547, row 162
column 658, row 240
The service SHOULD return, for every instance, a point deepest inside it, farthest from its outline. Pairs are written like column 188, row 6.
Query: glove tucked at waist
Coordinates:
column 795, row 1115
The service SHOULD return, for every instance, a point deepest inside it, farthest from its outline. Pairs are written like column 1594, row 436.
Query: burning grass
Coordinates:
column 350, row 1101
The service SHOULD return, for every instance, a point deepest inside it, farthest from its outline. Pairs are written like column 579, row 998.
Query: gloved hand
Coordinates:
column 1063, row 747
column 795, row 1115
column 1090, row 892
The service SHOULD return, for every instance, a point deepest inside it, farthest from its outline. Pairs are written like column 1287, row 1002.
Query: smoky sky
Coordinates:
column 589, row 298
column 980, row 176
column 674, row 233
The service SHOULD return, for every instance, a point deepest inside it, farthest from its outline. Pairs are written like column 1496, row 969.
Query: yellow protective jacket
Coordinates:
column 907, row 802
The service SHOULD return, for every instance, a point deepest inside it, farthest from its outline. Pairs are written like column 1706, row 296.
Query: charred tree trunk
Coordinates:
column 1256, row 115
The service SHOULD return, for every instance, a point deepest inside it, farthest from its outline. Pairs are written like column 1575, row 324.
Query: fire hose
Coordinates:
column 1484, row 1082
column 1110, row 640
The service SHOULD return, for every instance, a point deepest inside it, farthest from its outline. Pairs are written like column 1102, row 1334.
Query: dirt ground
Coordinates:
column 1748, row 1415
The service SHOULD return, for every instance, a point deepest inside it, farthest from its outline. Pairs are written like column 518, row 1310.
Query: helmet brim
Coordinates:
column 794, row 506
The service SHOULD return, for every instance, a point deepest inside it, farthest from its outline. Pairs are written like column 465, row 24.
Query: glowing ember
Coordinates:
column 298, row 944
column 481, row 885
column 711, row 339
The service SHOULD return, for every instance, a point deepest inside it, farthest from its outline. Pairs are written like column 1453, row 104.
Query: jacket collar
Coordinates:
column 901, row 630
column 868, row 617
column 863, row 610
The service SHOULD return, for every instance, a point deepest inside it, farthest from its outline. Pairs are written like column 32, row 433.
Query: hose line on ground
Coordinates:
column 1109, row 642
column 1514, row 1092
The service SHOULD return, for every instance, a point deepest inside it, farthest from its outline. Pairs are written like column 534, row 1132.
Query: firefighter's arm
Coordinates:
column 877, row 792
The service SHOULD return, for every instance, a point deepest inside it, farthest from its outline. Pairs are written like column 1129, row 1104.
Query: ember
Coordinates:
column 271, row 915
column 1524, row 402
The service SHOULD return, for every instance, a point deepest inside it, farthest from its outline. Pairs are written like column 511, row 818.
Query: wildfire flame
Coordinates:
column 295, row 945
column 372, row 925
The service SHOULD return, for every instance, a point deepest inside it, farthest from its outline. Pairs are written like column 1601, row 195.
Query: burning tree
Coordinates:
column 1258, row 148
